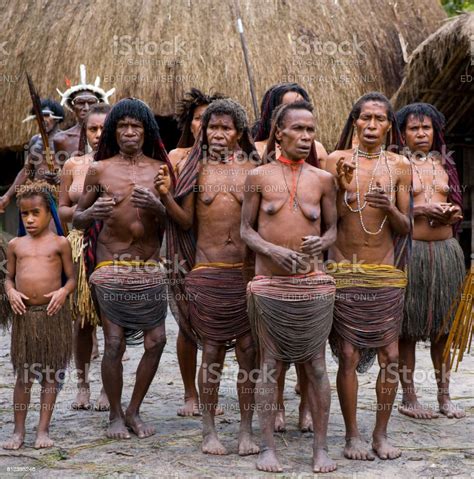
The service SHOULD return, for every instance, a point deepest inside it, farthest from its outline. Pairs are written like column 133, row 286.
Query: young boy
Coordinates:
column 41, row 329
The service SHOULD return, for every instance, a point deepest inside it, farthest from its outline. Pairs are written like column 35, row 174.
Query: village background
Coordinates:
column 155, row 51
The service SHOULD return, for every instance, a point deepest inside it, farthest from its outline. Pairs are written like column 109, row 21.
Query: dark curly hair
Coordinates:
column 237, row 113
column 419, row 111
column 31, row 189
column 185, row 113
column 438, row 120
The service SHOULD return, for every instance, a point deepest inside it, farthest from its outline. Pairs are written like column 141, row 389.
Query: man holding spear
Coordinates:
column 39, row 164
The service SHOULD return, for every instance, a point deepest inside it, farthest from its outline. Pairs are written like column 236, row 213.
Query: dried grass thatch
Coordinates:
column 196, row 43
column 437, row 73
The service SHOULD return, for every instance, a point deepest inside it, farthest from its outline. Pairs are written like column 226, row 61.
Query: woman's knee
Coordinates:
column 349, row 356
column 388, row 355
column 155, row 342
column 114, row 347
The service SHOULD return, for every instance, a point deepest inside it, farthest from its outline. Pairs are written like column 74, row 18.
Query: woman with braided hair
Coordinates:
column 124, row 218
column 276, row 95
column 370, row 253
column 290, row 300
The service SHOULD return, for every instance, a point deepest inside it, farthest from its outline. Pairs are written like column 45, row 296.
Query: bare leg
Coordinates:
column 95, row 345
column 280, row 422
column 319, row 398
column 347, row 386
column 112, row 378
column 102, row 403
column 297, row 385
column 187, row 353
column 49, row 392
column 266, row 393
column 387, row 385
column 209, row 379
column 82, row 357
column 245, row 352
column 442, row 372
column 305, row 419
column 410, row 405
column 154, row 343
column 21, row 401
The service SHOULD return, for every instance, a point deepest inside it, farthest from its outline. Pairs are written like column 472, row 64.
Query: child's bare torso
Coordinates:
column 38, row 267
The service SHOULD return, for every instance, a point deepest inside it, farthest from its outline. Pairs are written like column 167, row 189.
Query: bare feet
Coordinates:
column 141, row 429
column 43, row 441
column 322, row 462
column 412, row 408
column 268, row 462
column 117, row 429
column 15, row 442
column 384, row 449
column 358, row 449
column 246, row 445
column 449, row 409
column 280, row 425
column 305, row 421
column 212, row 445
column 190, row 408
column 102, row 403
column 83, row 399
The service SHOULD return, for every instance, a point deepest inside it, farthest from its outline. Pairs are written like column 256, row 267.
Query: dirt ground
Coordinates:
column 438, row 448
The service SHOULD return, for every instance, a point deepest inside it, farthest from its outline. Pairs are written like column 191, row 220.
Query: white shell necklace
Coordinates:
column 361, row 207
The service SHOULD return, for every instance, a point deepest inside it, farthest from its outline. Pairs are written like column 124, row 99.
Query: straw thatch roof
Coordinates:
column 155, row 50
column 441, row 71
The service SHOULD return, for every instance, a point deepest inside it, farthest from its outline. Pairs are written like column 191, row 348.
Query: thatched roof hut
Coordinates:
column 155, row 50
column 441, row 71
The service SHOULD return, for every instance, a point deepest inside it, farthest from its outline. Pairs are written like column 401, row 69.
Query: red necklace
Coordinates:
column 294, row 166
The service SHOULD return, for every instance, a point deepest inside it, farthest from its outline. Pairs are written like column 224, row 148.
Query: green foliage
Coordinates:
column 455, row 7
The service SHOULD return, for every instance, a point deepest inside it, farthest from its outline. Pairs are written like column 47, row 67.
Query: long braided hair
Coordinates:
column 132, row 107
column 270, row 101
column 108, row 147
column 393, row 140
column 278, row 122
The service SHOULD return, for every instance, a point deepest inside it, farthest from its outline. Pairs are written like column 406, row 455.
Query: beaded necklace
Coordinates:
column 293, row 203
column 424, row 187
column 361, row 207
